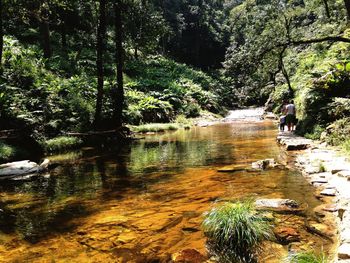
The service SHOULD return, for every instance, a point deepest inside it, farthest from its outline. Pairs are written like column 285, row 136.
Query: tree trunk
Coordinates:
column 118, row 90
column 64, row 33
column 101, row 32
column 1, row 35
column 347, row 6
column 45, row 30
column 325, row 2
column 136, row 54
column 284, row 71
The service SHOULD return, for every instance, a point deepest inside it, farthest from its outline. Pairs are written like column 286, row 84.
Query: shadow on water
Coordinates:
column 143, row 200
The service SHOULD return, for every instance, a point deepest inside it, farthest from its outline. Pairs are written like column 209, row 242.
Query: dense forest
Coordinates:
column 78, row 66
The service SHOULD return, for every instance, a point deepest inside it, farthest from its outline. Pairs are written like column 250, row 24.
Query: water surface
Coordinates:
column 144, row 201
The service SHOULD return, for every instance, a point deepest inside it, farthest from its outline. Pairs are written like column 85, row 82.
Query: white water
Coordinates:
column 252, row 114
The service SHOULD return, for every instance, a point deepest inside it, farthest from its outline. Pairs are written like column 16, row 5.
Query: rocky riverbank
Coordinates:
column 329, row 171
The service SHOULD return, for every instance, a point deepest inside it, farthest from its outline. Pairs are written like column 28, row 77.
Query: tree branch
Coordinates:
column 303, row 42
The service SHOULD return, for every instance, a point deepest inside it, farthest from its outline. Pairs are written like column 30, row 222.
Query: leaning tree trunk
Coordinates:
column 1, row 34
column 118, row 90
column 285, row 73
column 347, row 6
column 101, row 32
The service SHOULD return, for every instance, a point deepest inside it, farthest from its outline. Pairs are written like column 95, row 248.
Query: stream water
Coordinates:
column 145, row 201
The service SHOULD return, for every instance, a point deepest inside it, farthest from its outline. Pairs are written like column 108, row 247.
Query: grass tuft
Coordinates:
column 235, row 230
column 155, row 127
column 62, row 143
column 308, row 257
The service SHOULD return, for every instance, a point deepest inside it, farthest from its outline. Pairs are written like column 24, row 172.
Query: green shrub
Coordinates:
column 308, row 257
column 6, row 151
column 338, row 132
column 316, row 133
column 346, row 146
column 62, row 143
column 235, row 230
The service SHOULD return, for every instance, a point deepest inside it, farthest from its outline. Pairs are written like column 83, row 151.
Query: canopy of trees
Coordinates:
column 82, row 65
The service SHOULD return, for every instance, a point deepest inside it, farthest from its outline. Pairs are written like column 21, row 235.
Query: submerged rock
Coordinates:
column 232, row 168
column 279, row 205
column 323, row 230
column 188, row 256
column 286, row 235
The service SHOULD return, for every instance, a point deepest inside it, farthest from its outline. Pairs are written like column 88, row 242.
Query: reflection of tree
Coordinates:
column 169, row 155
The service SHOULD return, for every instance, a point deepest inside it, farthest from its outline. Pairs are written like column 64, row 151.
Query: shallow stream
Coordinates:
column 145, row 201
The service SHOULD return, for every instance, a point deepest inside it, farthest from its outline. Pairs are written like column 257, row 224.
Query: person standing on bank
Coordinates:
column 290, row 115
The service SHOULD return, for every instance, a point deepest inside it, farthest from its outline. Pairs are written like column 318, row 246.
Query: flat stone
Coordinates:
column 293, row 142
column 345, row 235
column 344, row 173
column 337, row 166
column 330, row 208
column 323, row 209
column 232, row 168
column 319, row 180
column 344, row 251
column 323, row 175
column 329, row 192
column 311, row 169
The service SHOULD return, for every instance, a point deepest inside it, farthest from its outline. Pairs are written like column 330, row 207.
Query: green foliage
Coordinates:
column 169, row 88
column 145, row 108
column 192, row 110
column 62, row 143
column 35, row 96
column 338, row 132
column 316, row 133
column 182, row 120
column 235, row 230
column 321, row 80
column 346, row 146
column 6, row 151
column 308, row 257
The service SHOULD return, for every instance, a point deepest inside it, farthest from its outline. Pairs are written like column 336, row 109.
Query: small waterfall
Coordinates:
column 251, row 114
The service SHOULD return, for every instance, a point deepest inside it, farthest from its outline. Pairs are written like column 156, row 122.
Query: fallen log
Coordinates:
column 124, row 132
column 10, row 170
